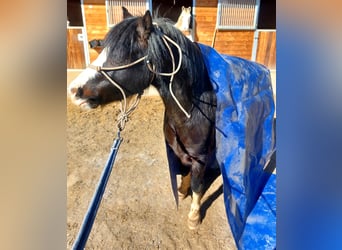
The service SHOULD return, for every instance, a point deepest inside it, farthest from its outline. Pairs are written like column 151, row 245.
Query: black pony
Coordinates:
column 139, row 52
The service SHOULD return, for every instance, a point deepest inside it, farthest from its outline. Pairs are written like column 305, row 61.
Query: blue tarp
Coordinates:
column 245, row 142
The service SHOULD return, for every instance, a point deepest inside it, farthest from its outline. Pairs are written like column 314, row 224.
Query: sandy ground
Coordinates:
column 138, row 210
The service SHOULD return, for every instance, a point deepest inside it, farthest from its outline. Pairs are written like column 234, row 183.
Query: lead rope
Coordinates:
column 124, row 112
column 90, row 215
column 94, row 204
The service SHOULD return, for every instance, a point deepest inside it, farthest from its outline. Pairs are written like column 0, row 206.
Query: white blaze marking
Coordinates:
column 84, row 77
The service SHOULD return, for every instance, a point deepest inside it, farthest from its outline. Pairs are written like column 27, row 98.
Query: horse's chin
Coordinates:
column 84, row 103
column 87, row 106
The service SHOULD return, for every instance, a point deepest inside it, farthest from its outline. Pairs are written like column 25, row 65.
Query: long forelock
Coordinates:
column 121, row 42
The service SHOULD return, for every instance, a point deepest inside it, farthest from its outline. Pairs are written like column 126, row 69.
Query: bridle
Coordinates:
column 124, row 111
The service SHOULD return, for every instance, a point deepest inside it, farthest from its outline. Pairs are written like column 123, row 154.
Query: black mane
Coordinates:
column 121, row 42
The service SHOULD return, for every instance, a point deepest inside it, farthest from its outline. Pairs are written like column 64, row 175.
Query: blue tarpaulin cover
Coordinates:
column 245, row 142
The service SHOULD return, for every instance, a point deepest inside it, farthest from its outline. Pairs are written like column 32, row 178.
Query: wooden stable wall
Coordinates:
column 235, row 43
column 205, row 20
column 266, row 52
column 232, row 42
column 75, row 49
column 95, row 23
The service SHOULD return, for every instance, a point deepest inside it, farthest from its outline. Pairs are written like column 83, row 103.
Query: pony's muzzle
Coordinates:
column 76, row 92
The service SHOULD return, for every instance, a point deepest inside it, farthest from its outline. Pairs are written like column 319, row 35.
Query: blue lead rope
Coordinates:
column 96, row 200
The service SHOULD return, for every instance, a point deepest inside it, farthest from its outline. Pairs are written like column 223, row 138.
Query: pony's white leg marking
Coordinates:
column 85, row 76
column 194, row 216
column 184, row 187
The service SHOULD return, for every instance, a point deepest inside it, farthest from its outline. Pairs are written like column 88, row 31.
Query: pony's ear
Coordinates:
column 144, row 28
column 126, row 13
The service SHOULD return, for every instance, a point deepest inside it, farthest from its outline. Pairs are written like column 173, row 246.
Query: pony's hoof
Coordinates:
column 193, row 223
column 194, row 219
column 182, row 195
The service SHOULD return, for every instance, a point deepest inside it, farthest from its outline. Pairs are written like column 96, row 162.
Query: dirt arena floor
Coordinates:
column 138, row 210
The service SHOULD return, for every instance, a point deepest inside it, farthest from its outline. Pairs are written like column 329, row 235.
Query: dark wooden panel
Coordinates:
column 235, row 43
column 98, row 2
column 205, row 24
column 74, row 13
column 75, row 50
column 206, row 3
column 266, row 52
column 96, row 24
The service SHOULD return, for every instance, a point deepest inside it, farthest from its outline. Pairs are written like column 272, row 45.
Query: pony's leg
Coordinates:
column 183, row 190
column 194, row 216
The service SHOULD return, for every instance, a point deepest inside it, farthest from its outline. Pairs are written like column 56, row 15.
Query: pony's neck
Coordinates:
column 179, row 22
column 182, row 92
column 183, row 22
column 190, row 77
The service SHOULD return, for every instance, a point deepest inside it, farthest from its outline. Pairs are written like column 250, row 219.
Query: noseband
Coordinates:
column 123, row 116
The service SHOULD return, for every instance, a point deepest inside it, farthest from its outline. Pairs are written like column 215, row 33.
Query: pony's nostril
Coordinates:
column 79, row 92
column 73, row 90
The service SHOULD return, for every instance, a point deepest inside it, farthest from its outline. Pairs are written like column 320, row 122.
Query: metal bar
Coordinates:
column 255, row 45
column 85, row 35
column 136, row 7
column 256, row 14
column 89, row 217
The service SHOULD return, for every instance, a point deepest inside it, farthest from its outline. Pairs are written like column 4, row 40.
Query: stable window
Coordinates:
column 115, row 13
column 237, row 14
column 267, row 14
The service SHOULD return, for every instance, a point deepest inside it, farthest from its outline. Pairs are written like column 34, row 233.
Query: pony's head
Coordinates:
column 138, row 52
column 125, row 43
column 183, row 22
